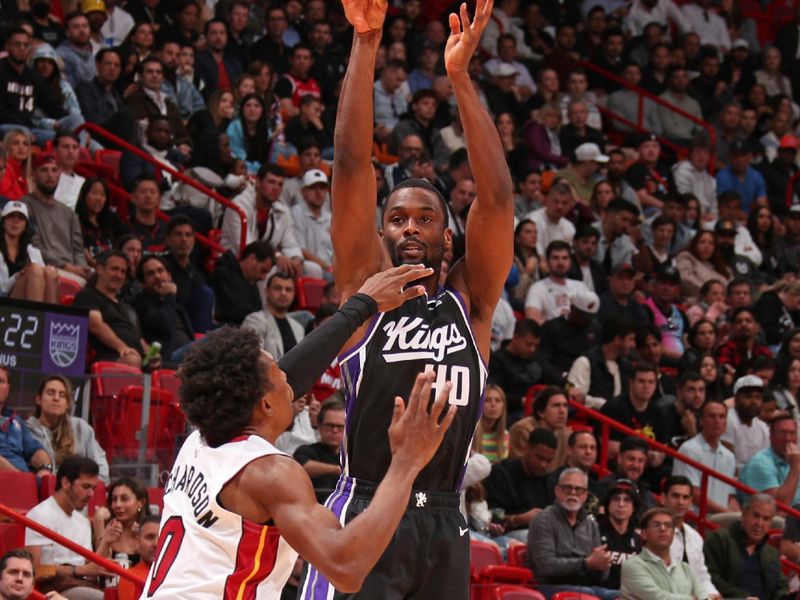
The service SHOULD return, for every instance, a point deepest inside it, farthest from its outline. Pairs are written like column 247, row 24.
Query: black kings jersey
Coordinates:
column 421, row 335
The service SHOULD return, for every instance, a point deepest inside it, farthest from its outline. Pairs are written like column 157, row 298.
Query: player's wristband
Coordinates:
column 307, row 361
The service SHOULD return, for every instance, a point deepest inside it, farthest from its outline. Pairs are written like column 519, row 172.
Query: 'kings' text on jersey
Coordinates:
column 421, row 335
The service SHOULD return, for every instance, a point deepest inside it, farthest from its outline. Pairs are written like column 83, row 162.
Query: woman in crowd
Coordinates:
column 778, row 311
column 244, row 86
column 541, row 138
column 263, row 77
column 770, row 75
column 100, row 225
column 548, row 91
column 700, row 262
column 115, row 525
column 702, row 341
column 23, row 274
column 17, row 178
column 657, row 253
column 694, row 213
column 132, row 247
column 249, row 134
column 513, row 146
column 46, row 62
column 61, row 434
column 785, row 387
column 526, row 260
column 760, row 226
column 710, row 305
column 217, row 116
column 141, row 39
column 184, row 26
column 491, row 436
column 719, row 378
column 602, row 194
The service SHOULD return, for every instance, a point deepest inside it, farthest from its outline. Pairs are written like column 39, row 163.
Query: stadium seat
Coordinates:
column 98, row 498
column 67, row 300
column 572, row 596
column 47, row 486
column 18, row 490
column 167, row 380
column 67, row 287
column 109, row 158
column 12, row 536
column 518, row 555
column 155, row 496
column 515, row 592
column 111, row 378
column 483, row 554
column 309, row 293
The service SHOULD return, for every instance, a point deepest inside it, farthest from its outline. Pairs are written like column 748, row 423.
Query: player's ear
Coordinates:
column 448, row 238
column 380, row 232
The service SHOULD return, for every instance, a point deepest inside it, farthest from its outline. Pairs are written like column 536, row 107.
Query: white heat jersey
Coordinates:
column 204, row 551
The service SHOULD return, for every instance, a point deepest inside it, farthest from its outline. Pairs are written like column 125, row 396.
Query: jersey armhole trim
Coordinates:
column 468, row 322
column 343, row 358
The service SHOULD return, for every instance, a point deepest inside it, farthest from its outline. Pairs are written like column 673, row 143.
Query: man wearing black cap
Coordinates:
column 741, row 177
column 725, row 235
column 619, row 237
column 618, row 300
column 519, row 485
column 631, row 463
column 584, row 266
column 651, row 180
column 618, row 525
column 666, row 316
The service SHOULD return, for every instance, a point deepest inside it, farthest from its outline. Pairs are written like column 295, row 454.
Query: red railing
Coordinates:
column 97, row 130
column 607, row 423
column 642, row 93
column 106, row 563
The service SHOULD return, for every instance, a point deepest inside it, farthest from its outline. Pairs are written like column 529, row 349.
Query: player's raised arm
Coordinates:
column 490, row 224
column 356, row 245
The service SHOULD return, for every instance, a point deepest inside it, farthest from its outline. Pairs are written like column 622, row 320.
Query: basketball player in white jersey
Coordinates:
column 231, row 489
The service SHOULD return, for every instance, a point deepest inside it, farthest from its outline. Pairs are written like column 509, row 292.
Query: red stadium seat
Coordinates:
column 309, row 293
column 572, row 596
column 155, row 496
column 67, row 300
column 12, row 536
column 47, row 486
column 518, row 555
column 109, row 158
column 483, row 554
column 18, row 490
column 67, row 287
column 530, row 396
column 167, row 380
column 98, row 498
column 515, row 592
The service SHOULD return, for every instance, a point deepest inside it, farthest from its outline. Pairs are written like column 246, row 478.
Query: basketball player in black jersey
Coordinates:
column 447, row 332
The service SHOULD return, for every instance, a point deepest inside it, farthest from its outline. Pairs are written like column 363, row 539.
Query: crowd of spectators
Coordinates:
column 654, row 278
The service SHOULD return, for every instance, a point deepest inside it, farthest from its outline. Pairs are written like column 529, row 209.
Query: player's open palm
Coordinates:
column 365, row 15
column 416, row 433
column 388, row 288
column 465, row 35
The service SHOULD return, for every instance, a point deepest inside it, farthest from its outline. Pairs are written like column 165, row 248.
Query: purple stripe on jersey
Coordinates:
column 351, row 373
column 321, row 585
column 344, row 357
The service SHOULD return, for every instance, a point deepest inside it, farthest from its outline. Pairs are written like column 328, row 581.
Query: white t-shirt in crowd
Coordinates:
column 553, row 299
column 75, row 527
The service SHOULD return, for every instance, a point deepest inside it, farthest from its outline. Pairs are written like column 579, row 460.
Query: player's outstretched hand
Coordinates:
column 416, row 433
column 388, row 288
column 365, row 15
column 464, row 36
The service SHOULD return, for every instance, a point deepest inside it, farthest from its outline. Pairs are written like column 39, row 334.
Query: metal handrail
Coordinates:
column 643, row 93
column 106, row 563
column 607, row 423
column 128, row 147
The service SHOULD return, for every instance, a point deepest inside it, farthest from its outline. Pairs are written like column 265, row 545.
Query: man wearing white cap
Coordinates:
column 582, row 173
column 312, row 225
column 776, row 469
column 746, row 434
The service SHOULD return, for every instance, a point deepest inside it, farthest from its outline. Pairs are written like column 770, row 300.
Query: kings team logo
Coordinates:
column 65, row 341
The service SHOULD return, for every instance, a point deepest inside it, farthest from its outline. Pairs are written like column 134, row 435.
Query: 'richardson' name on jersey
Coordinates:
column 185, row 479
column 412, row 339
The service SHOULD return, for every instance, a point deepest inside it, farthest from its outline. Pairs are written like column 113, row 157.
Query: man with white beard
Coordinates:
column 564, row 543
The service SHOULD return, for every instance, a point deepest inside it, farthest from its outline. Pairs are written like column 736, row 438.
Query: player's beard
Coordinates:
column 430, row 257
